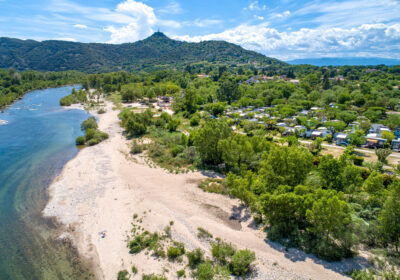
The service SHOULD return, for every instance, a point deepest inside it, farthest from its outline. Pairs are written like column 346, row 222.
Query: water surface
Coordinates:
column 37, row 137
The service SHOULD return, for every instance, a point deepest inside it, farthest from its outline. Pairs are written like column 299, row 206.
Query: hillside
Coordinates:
column 157, row 51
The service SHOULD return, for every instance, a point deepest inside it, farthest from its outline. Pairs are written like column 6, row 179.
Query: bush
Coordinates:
column 80, row 140
column 180, row 273
column 202, row 233
column 101, row 111
column 358, row 160
column 153, row 277
column 134, row 270
column 90, row 123
column 204, row 271
column 194, row 121
column 173, row 124
column 241, row 262
column 136, row 148
column 222, row 252
column 123, row 275
column 195, row 257
column 93, row 142
column 174, row 252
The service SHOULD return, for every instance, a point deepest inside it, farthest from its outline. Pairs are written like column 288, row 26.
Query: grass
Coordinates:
column 213, row 186
column 202, row 233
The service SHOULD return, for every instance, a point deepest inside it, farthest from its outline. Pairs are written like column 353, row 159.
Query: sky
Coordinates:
column 284, row 29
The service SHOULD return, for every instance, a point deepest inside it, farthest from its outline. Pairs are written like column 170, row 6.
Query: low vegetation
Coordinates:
column 241, row 122
column 76, row 97
column 225, row 261
column 92, row 136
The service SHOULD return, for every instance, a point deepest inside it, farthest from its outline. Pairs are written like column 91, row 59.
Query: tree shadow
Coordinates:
column 342, row 267
column 211, row 174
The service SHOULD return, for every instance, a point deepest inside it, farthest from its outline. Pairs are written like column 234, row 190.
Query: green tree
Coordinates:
column 352, row 179
column 228, row 91
column 393, row 121
column 347, row 116
column 374, row 183
column 389, row 218
column 330, row 170
column 389, row 136
column 285, row 166
column 383, row 154
column 330, row 218
column 207, row 138
column 241, row 262
column 357, row 138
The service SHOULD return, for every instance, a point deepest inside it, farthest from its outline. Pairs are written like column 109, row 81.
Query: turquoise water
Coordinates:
column 36, row 142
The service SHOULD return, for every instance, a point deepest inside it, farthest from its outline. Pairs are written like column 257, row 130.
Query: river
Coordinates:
column 37, row 137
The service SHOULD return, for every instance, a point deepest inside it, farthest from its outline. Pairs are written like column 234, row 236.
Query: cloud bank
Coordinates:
column 376, row 39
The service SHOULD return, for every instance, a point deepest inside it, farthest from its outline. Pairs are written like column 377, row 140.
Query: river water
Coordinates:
column 37, row 137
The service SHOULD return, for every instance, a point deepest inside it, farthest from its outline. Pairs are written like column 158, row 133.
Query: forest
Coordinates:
column 14, row 84
column 235, row 120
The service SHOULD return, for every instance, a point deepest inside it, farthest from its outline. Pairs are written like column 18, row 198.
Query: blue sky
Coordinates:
column 285, row 29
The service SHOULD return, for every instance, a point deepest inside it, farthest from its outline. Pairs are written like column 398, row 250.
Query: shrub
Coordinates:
column 136, row 148
column 204, row 271
column 195, row 257
column 93, row 142
column 153, row 277
column 180, row 273
column 222, row 252
column 194, row 121
column 90, row 123
column 123, row 275
column 176, row 150
column 174, row 252
column 134, row 269
column 101, row 111
column 202, row 233
column 90, row 133
column 80, row 140
column 358, row 160
column 241, row 262
column 173, row 124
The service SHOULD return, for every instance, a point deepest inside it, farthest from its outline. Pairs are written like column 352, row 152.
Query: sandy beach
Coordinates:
column 103, row 186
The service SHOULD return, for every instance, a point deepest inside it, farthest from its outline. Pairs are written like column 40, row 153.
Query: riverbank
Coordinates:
column 103, row 186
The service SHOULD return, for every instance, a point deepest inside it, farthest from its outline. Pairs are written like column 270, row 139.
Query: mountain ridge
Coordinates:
column 158, row 49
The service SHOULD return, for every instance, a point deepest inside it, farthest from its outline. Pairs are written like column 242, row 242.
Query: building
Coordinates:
column 342, row 139
column 378, row 129
column 396, row 145
column 374, row 142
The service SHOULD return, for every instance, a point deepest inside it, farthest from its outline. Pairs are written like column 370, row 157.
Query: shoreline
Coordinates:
column 103, row 186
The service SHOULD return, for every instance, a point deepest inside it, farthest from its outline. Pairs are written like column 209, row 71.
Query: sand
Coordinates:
column 103, row 186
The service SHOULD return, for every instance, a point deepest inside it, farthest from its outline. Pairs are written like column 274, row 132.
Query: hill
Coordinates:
column 342, row 61
column 157, row 51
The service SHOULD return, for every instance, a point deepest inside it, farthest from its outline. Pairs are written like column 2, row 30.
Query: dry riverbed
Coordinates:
column 103, row 186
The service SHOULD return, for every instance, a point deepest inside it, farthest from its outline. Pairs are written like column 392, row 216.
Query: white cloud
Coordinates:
column 380, row 39
column 258, row 17
column 254, row 6
column 173, row 7
column 142, row 19
column 81, row 26
column 206, row 22
column 281, row 15
column 65, row 39
column 169, row 23
column 350, row 13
